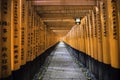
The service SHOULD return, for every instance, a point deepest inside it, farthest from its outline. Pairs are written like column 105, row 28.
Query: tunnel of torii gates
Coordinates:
column 29, row 28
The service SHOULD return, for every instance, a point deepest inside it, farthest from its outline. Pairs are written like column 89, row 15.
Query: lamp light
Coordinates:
column 77, row 20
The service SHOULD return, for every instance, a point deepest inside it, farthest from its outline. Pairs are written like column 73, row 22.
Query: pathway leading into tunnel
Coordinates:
column 62, row 66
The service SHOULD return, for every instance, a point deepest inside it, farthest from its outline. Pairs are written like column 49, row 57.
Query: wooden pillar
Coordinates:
column 99, row 37
column 113, row 23
column 87, row 36
column 44, row 38
column 26, row 30
column 78, row 43
column 28, row 58
column 118, row 13
column 92, row 33
column 39, row 25
column 37, row 39
column 88, row 33
column 16, row 22
column 36, row 36
column 35, row 33
column 41, row 37
column 95, row 34
column 32, row 34
column 5, row 27
column 23, row 31
column 76, row 29
column 90, row 29
column 83, row 36
column 104, row 29
column 47, row 37
column 74, row 37
column 79, row 38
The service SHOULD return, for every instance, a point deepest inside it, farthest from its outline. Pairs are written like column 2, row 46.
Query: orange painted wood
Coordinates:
column 5, row 54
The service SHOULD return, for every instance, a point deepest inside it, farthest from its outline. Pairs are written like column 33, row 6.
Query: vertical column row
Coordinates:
column 23, row 37
column 98, row 38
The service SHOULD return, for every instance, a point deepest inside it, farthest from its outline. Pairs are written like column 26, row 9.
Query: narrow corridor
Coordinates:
column 62, row 66
column 31, row 31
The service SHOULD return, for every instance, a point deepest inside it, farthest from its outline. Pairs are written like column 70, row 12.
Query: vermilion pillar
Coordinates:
column 113, row 24
column 5, row 32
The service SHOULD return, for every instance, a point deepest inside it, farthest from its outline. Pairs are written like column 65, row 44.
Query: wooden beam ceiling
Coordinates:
column 64, row 2
column 59, row 15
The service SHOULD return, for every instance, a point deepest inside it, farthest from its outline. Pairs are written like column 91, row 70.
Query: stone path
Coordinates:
column 62, row 66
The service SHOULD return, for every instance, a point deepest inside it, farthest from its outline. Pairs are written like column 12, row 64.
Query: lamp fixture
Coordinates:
column 77, row 20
